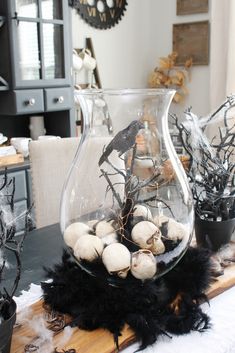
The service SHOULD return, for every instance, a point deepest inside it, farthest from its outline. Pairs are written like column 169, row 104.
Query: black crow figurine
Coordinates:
column 123, row 141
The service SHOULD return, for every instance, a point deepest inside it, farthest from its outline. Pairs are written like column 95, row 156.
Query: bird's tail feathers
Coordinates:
column 106, row 153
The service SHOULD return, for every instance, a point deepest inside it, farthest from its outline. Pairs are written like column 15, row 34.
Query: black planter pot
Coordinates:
column 213, row 234
column 6, row 329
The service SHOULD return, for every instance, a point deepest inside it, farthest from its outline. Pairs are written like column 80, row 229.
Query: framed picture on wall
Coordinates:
column 188, row 7
column 191, row 40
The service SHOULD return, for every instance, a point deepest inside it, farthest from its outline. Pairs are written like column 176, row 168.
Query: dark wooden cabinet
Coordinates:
column 35, row 61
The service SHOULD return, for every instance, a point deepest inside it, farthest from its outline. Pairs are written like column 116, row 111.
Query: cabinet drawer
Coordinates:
column 57, row 99
column 20, row 184
column 29, row 101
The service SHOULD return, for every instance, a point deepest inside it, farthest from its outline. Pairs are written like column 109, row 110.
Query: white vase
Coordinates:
column 36, row 126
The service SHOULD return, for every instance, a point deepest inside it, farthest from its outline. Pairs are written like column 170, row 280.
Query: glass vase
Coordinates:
column 126, row 209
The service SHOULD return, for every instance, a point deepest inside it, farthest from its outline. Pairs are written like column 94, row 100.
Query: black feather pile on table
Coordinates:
column 169, row 304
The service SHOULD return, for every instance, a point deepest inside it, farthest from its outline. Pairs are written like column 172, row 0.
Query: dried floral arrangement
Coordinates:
column 212, row 167
column 9, row 243
column 169, row 75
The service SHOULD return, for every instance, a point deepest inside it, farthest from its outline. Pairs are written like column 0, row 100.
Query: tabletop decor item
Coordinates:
column 211, row 173
column 127, row 220
column 189, row 7
column 9, row 243
column 3, row 139
column 77, row 61
column 89, row 63
column 21, row 144
column 36, row 126
column 191, row 39
column 114, row 217
column 102, row 14
column 168, row 75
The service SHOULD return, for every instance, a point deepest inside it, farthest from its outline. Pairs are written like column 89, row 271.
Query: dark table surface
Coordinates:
column 42, row 247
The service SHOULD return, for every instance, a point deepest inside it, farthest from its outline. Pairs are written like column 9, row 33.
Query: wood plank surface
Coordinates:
column 97, row 341
column 11, row 160
column 224, row 282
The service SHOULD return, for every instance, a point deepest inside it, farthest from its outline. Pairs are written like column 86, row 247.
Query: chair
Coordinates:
column 50, row 161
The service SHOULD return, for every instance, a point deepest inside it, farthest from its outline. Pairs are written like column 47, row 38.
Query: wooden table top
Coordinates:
column 97, row 341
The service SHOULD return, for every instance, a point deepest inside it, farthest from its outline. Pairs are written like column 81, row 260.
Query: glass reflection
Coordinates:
column 27, row 8
column 53, row 51
column 29, row 62
column 52, row 9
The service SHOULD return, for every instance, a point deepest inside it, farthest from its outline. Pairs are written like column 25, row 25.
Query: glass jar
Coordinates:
column 126, row 209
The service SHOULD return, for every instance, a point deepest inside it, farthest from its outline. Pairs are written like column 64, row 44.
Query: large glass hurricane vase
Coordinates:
column 126, row 210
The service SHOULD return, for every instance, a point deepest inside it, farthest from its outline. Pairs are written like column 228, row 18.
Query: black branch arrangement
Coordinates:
column 211, row 171
column 125, row 143
column 9, row 242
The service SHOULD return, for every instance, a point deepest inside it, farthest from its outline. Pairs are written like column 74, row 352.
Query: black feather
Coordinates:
column 145, row 306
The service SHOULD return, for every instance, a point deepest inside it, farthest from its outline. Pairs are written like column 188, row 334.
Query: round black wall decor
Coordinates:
column 100, row 14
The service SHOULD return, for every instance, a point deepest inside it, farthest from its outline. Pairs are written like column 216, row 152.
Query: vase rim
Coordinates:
column 232, row 219
column 126, row 91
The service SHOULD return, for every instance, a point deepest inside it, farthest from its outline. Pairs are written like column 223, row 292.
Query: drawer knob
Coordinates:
column 60, row 99
column 30, row 102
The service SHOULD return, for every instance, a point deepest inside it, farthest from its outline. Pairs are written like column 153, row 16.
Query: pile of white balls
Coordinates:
column 99, row 239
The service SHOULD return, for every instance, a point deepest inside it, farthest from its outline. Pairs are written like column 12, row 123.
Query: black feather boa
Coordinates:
column 169, row 304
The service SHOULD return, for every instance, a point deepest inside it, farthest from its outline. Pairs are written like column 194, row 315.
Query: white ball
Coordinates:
column 117, row 259
column 143, row 265
column 158, row 247
column 104, row 228
column 74, row 231
column 159, row 220
column 142, row 211
column 88, row 247
column 175, row 230
column 92, row 223
column 145, row 233
column 110, row 239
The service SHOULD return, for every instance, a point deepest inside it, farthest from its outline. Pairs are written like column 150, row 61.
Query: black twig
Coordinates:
column 8, row 241
column 211, row 172
column 115, row 194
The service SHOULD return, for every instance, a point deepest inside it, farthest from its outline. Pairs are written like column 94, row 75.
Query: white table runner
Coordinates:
column 219, row 339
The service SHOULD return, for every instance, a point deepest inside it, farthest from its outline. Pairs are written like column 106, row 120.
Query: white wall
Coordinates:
column 121, row 51
column 128, row 52
column 161, row 45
